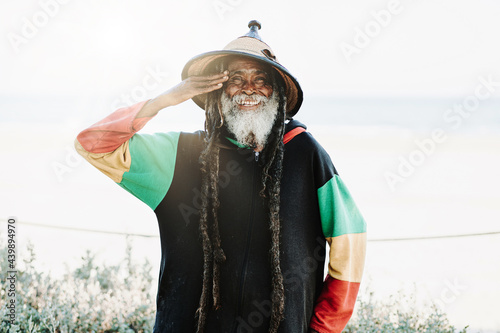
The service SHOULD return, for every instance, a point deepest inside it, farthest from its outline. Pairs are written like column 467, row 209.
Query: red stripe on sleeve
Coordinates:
column 334, row 305
column 111, row 132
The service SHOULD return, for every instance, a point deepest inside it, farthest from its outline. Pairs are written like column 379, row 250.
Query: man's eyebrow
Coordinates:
column 241, row 71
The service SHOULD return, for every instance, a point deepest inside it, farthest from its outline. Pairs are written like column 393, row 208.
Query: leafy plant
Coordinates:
column 117, row 298
column 92, row 298
column 397, row 314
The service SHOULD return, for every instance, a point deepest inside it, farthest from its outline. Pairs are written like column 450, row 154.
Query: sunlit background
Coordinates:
column 404, row 95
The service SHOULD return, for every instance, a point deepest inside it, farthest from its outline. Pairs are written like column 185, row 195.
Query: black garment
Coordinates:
column 245, row 284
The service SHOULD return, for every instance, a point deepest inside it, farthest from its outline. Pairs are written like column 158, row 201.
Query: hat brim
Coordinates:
column 197, row 66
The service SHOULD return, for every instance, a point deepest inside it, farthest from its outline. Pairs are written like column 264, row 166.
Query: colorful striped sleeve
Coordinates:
column 345, row 231
column 141, row 164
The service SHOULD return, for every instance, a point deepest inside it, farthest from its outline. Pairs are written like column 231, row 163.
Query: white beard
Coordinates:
column 251, row 128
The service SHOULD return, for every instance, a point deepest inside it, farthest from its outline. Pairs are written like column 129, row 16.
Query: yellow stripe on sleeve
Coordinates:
column 347, row 256
column 113, row 164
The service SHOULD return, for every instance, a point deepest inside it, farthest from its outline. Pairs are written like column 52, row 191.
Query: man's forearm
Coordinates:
column 108, row 134
column 153, row 106
column 112, row 131
column 187, row 89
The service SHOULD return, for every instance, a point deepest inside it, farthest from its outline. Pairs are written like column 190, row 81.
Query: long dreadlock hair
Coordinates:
column 272, row 155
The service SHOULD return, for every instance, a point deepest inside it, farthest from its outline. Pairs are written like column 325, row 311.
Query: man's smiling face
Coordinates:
column 248, row 78
column 249, row 104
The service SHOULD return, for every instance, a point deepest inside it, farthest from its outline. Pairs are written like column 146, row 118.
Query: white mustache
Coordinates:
column 249, row 99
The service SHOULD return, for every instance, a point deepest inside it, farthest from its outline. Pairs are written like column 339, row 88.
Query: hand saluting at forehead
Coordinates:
column 185, row 90
column 196, row 85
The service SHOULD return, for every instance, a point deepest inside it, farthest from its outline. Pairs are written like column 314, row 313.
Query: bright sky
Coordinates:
column 402, row 47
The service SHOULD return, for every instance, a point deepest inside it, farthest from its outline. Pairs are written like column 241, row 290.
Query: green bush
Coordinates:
column 103, row 298
column 92, row 298
column 397, row 314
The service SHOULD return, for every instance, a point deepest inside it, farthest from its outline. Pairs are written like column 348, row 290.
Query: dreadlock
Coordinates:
column 213, row 255
column 271, row 185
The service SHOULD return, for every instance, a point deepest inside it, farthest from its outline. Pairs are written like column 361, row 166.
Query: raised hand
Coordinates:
column 187, row 89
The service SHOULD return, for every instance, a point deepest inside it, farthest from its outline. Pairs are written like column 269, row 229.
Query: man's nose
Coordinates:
column 248, row 88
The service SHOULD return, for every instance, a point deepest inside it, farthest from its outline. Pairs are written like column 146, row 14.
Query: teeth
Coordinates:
column 249, row 103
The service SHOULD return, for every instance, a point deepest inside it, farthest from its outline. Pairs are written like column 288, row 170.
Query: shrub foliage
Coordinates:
column 92, row 298
column 104, row 298
column 397, row 314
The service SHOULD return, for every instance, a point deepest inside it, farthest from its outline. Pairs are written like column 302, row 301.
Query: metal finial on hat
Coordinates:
column 254, row 26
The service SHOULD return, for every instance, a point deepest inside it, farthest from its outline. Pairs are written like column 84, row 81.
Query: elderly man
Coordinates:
column 244, row 207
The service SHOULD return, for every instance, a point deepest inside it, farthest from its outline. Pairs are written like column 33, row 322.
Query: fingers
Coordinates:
column 193, row 86
column 207, row 83
column 209, row 80
column 213, row 77
column 208, row 88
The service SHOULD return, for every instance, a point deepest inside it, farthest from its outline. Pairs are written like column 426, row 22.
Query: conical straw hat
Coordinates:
column 249, row 46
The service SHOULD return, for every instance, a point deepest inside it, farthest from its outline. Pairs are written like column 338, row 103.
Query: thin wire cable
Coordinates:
column 433, row 237
column 41, row 225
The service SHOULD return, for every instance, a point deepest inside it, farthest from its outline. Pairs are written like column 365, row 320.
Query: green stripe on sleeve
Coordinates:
column 152, row 166
column 339, row 214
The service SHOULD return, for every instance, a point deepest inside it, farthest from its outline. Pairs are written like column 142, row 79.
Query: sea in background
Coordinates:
column 406, row 183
